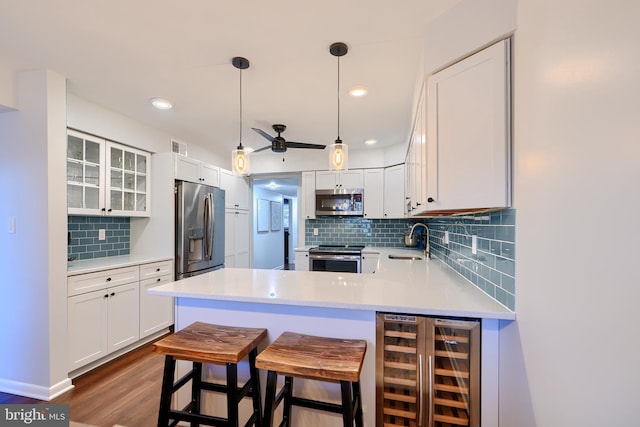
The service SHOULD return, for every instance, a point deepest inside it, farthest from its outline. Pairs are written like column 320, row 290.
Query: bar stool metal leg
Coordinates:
column 287, row 395
column 196, row 377
column 347, row 404
column 358, row 399
column 270, row 399
column 255, row 387
column 165, row 394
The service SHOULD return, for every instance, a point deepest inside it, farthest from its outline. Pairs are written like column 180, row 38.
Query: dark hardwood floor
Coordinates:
column 125, row 391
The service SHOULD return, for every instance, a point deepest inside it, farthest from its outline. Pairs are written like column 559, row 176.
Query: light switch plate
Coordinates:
column 11, row 225
column 102, row 234
column 315, row 231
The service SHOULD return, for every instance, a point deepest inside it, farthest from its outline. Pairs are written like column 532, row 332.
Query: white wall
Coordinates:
column 33, row 360
column 571, row 359
column 8, row 90
column 268, row 247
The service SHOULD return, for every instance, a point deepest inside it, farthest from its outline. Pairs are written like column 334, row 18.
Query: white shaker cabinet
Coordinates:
column 370, row 260
column 236, row 238
column 468, row 133
column 373, row 198
column 187, row 169
column 330, row 180
column 394, row 194
column 100, row 322
column 302, row 259
column 308, row 191
column 237, row 192
column 156, row 312
column 416, row 173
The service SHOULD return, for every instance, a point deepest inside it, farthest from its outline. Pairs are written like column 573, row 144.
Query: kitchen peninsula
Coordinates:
column 343, row 305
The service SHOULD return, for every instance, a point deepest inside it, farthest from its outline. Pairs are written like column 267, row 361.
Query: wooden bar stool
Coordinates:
column 315, row 358
column 211, row 344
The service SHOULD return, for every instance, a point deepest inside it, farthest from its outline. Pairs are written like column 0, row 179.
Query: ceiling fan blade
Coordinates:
column 268, row 147
column 291, row 144
column 263, row 133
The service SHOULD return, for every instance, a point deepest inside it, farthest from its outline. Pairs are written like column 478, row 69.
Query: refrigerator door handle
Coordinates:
column 208, row 226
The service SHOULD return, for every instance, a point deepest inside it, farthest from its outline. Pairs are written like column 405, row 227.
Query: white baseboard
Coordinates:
column 35, row 391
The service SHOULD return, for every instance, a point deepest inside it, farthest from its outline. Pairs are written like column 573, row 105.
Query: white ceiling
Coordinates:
column 121, row 53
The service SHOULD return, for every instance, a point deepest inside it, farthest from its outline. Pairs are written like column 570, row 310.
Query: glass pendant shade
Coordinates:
column 240, row 161
column 338, row 156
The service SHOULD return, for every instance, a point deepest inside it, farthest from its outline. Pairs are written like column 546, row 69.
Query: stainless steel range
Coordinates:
column 339, row 258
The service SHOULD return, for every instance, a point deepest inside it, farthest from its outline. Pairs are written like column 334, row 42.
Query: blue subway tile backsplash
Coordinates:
column 83, row 236
column 492, row 268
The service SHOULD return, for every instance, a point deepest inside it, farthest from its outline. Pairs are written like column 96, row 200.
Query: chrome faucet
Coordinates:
column 427, row 249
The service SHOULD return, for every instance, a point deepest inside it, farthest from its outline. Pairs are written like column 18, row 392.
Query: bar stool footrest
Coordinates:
column 316, row 404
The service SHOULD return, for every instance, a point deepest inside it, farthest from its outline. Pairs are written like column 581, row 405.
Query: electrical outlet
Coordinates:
column 474, row 244
column 102, row 234
column 446, row 238
column 315, row 231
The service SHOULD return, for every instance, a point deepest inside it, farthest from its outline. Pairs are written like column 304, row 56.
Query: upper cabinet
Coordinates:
column 236, row 190
column 373, row 199
column 106, row 178
column 394, row 192
column 468, row 133
column 329, row 180
column 308, row 190
column 416, row 173
column 187, row 169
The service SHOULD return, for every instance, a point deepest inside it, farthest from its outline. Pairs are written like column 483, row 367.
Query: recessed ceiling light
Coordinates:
column 358, row 91
column 161, row 104
column 370, row 141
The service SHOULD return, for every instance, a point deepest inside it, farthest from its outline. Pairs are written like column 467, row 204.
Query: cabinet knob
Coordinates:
column 106, row 296
column 159, row 279
column 157, row 269
column 109, row 210
column 112, row 293
column 108, row 279
column 430, row 200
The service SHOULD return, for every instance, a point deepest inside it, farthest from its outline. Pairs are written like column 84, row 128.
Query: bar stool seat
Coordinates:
column 210, row 344
column 311, row 357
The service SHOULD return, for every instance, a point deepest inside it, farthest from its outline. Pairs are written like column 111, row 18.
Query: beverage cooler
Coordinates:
column 427, row 371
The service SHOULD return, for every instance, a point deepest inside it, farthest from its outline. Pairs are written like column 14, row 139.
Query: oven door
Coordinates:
column 334, row 262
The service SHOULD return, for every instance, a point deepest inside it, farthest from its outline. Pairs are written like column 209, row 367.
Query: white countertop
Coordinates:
column 104, row 263
column 418, row 287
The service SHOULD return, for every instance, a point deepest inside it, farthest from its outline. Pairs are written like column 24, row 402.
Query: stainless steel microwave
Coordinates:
column 339, row 202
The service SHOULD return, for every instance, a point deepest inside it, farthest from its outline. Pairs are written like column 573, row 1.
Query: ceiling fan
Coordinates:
column 280, row 145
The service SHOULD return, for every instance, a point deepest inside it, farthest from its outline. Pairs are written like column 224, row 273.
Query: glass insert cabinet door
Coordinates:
column 128, row 184
column 85, row 173
column 106, row 178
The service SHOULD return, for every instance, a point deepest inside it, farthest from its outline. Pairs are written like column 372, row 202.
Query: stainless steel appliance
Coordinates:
column 427, row 371
column 339, row 202
column 199, row 229
column 339, row 258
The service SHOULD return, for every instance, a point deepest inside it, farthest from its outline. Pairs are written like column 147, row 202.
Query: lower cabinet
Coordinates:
column 302, row 260
column 236, row 238
column 105, row 315
column 100, row 322
column 369, row 262
column 156, row 312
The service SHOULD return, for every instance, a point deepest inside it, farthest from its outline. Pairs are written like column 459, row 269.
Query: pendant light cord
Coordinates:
column 338, row 99
column 240, row 107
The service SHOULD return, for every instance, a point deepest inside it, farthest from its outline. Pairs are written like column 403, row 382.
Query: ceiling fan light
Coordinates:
column 338, row 156
column 240, row 161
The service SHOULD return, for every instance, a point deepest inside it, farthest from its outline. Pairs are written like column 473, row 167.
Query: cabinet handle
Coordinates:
column 418, row 204
column 430, row 200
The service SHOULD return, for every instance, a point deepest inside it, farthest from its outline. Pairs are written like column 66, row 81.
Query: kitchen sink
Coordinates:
column 405, row 257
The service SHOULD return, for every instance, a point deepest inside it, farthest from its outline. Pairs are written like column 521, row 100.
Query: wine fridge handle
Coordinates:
column 420, row 391
column 430, row 392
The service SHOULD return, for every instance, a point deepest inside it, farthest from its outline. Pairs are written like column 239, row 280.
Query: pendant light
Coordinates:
column 240, row 156
column 338, row 152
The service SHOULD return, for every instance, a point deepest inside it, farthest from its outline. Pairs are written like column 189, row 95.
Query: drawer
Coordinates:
column 83, row 283
column 155, row 281
column 156, row 269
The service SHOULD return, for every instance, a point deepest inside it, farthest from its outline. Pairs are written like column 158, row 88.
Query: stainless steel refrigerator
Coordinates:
column 199, row 229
